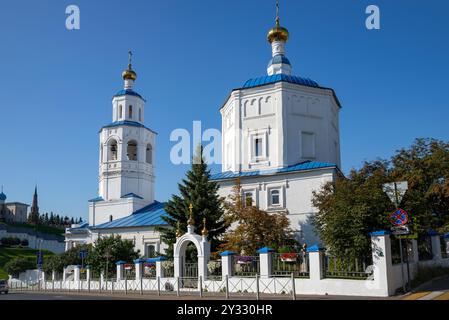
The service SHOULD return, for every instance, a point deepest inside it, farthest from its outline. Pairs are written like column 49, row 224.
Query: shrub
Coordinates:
column 18, row 265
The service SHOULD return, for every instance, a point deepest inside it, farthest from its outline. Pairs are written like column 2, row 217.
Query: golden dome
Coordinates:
column 129, row 74
column 277, row 33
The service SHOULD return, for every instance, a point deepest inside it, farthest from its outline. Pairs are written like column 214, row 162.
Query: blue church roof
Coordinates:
column 126, row 123
column 307, row 165
column 131, row 195
column 2, row 196
column 150, row 215
column 277, row 59
column 255, row 82
column 128, row 92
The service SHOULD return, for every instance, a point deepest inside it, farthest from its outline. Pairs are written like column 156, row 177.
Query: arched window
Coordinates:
column 120, row 112
column 275, row 200
column 131, row 151
column 140, row 114
column 130, row 112
column 111, row 218
column 149, row 154
column 112, row 150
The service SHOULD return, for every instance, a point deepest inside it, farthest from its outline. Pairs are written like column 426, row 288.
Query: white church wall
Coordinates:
column 295, row 196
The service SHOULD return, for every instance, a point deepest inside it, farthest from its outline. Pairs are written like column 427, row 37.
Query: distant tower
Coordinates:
column 2, row 206
column 127, row 148
column 34, row 213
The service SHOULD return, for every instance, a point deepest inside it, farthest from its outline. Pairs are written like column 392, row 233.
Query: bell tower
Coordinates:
column 126, row 163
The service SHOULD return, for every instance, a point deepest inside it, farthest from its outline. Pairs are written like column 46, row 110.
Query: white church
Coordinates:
column 280, row 136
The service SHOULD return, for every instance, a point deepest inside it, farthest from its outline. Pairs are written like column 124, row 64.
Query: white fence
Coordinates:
column 310, row 277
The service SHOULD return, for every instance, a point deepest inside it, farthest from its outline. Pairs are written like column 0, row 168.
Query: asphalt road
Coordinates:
column 53, row 296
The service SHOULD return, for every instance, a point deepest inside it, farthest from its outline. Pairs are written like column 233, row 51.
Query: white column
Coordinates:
column 63, row 274
column 88, row 273
column 265, row 262
column 382, row 263
column 159, row 269
column 226, row 263
column 77, row 273
column 177, row 266
column 315, row 262
column 139, row 268
column 53, row 275
column 415, row 250
column 436, row 245
column 120, row 269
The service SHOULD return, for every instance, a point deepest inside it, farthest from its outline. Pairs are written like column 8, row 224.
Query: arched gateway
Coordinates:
column 202, row 246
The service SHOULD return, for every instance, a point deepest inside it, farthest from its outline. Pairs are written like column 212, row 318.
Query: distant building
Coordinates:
column 12, row 212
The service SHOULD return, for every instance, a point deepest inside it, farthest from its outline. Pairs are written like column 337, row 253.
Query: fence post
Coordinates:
column 382, row 263
column 257, row 287
column 293, row 287
column 100, row 282
column 158, row 286
column 265, row 261
column 227, row 286
column 226, row 263
column 126, row 285
column 112, row 286
column 120, row 268
column 316, row 262
column 138, row 264
column 177, row 286
column 436, row 245
column 200, row 283
column 141, row 285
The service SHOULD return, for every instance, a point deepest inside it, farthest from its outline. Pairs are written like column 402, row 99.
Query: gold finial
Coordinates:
column 129, row 74
column 277, row 33
column 204, row 232
column 191, row 221
column 178, row 230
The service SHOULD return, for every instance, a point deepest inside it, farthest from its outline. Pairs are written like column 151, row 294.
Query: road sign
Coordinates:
column 83, row 254
column 395, row 191
column 40, row 258
column 399, row 231
column 399, row 217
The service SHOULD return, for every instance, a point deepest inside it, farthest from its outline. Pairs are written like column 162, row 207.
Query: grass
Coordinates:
column 6, row 254
column 44, row 229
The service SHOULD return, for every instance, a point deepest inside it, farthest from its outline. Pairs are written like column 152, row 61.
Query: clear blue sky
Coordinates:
column 56, row 85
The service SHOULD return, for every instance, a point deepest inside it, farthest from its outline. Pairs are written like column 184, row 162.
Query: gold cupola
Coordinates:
column 277, row 33
column 204, row 232
column 129, row 73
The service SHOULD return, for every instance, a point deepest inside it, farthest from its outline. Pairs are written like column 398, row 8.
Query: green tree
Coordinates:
column 351, row 208
column 255, row 228
column 18, row 265
column 67, row 258
column 107, row 251
column 199, row 191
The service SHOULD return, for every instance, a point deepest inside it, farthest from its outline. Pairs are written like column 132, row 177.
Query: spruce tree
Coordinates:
column 199, row 191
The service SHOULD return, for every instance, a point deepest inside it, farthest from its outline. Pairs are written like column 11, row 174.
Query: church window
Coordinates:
column 140, row 114
column 112, row 155
column 130, row 112
column 111, row 218
column 131, row 151
column 248, row 199
column 258, row 147
column 149, row 155
column 275, row 198
column 150, row 250
column 120, row 112
column 307, row 145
